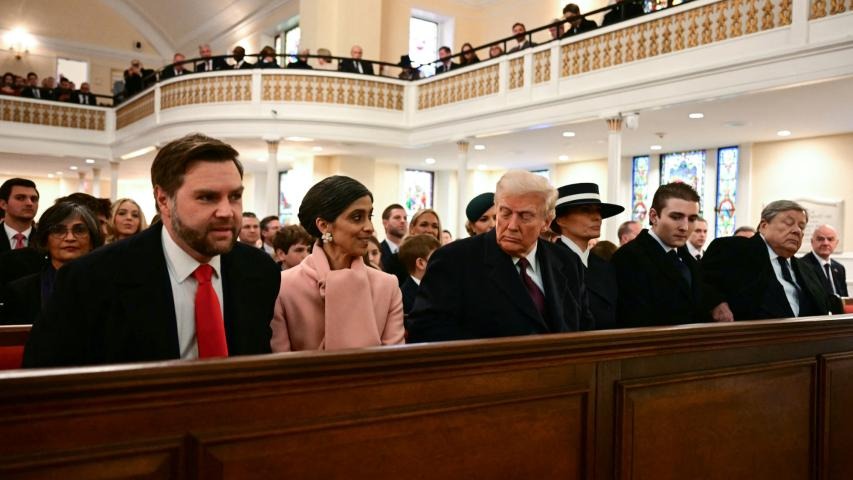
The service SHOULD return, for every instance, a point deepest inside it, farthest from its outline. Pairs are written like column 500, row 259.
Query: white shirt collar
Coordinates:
column 666, row 248
column 773, row 254
column 583, row 254
column 821, row 261
column 180, row 263
column 415, row 279
column 11, row 232
column 392, row 246
column 693, row 250
column 531, row 258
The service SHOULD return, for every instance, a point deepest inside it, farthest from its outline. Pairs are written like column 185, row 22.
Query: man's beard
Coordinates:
column 198, row 240
column 398, row 232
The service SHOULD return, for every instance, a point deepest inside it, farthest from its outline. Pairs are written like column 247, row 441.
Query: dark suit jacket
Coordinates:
column 300, row 65
column 263, row 64
column 23, row 300
column 16, row 264
column 115, row 305
column 518, row 48
column 349, row 67
column 391, row 263
column 738, row 271
column 624, row 10
column 245, row 66
column 77, row 97
column 410, row 291
column 472, row 290
column 169, row 72
column 839, row 274
column 600, row 279
column 442, row 69
column 651, row 288
column 218, row 64
column 29, row 92
column 585, row 26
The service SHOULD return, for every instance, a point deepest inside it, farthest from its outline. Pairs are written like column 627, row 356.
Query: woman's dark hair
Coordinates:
column 328, row 199
column 60, row 212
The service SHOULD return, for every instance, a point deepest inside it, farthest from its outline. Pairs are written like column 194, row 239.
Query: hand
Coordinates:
column 722, row 313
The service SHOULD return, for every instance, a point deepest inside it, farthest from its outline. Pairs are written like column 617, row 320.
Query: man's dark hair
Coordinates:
column 386, row 214
column 172, row 161
column 32, row 74
column 98, row 206
column 266, row 221
column 415, row 247
column 445, row 49
column 679, row 190
column 58, row 213
column 328, row 199
column 6, row 188
column 519, row 23
column 289, row 236
column 571, row 7
column 249, row 215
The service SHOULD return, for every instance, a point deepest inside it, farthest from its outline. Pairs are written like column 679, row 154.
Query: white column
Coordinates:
column 614, row 170
column 114, row 180
column 462, row 184
column 81, row 183
column 271, row 190
column 96, row 182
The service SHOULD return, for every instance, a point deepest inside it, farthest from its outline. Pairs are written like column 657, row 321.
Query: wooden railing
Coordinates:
column 757, row 400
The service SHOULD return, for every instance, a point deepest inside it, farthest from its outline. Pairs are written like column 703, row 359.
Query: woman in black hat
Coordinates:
column 481, row 214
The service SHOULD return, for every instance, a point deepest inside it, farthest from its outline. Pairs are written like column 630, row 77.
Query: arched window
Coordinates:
column 727, row 165
column 640, row 188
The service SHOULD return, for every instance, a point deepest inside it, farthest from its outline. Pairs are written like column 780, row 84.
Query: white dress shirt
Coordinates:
column 269, row 249
column 392, row 246
column 695, row 251
column 822, row 262
column 790, row 290
column 666, row 248
column 533, row 269
column 184, row 285
column 416, row 280
column 575, row 248
column 11, row 232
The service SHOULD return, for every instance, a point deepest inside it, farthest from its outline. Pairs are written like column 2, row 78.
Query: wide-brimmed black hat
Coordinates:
column 479, row 205
column 577, row 194
column 405, row 61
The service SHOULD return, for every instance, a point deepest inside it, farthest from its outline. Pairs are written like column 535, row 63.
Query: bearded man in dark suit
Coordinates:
column 759, row 278
column 181, row 289
column 506, row 282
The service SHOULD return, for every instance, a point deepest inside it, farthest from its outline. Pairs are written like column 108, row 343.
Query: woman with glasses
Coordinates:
column 66, row 231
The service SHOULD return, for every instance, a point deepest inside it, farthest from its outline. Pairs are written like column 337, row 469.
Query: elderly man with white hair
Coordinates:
column 824, row 242
column 506, row 282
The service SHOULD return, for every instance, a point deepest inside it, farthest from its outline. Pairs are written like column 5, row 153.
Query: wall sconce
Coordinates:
column 19, row 42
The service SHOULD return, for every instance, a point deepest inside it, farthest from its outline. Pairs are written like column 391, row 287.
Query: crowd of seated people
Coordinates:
column 30, row 87
column 208, row 280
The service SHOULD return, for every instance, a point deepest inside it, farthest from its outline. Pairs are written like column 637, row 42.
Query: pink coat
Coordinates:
column 321, row 309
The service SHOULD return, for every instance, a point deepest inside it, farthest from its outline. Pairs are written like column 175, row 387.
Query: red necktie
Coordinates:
column 535, row 293
column 19, row 240
column 209, row 327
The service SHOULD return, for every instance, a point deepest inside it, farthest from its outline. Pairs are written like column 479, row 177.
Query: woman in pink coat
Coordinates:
column 332, row 300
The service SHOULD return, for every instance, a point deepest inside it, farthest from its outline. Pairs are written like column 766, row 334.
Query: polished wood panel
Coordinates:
column 837, row 415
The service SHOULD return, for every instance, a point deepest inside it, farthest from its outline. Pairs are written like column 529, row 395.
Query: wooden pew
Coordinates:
column 756, row 400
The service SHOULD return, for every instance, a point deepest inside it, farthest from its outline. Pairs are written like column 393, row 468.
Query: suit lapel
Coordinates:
column 505, row 277
column 238, row 285
column 556, row 284
column 663, row 262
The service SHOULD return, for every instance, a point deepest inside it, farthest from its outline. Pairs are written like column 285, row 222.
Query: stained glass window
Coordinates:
column 727, row 163
column 286, row 215
column 417, row 190
column 640, row 188
column 685, row 167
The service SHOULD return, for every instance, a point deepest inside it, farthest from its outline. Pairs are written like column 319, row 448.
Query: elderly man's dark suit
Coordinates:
column 472, row 290
column 600, row 279
column 839, row 274
column 391, row 263
column 652, row 291
column 349, row 66
column 115, row 305
column 738, row 271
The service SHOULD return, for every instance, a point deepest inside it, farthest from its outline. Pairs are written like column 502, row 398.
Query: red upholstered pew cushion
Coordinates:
column 10, row 357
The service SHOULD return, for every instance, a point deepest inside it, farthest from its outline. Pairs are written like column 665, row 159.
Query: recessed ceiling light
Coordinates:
column 482, row 167
column 137, row 153
column 568, row 134
column 656, row 147
column 784, row 133
column 317, row 149
column 429, row 161
column 73, row 167
column 90, row 161
column 563, row 158
column 50, row 175
column 299, row 139
column 696, row 115
column 479, row 147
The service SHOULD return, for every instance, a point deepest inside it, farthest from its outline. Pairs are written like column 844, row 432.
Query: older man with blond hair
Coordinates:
column 506, row 282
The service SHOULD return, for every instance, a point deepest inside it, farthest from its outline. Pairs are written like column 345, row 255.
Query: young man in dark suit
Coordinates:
column 181, row 289
column 579, row 215
column 394, row 221
column 506, row 282
column 355, row 64
column 445, row 63
column 19, row 200
column 659, row 282
column 834, row 276
column 759, row 278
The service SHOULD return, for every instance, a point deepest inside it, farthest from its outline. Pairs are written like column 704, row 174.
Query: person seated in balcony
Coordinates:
column 445, row 63
column 207, row 62
column 301, row 62
column 135, row 79
column 267, row 58
column 8, row 85
column 520, row 32
column 239, row 56
column 556, row 28
column 67, row 231
column 32, row 89
column 332, row 300
column 408, row 72
column 84, row 96
column 65, row 92
column 495, row 51
column 48, row 88
column 469, row 56
column 324, row 60
column 355, row 64
column 622, row 10
column 577, row 23
column 176, row 69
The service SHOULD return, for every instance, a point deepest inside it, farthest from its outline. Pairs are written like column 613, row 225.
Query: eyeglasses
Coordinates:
column 61, row 231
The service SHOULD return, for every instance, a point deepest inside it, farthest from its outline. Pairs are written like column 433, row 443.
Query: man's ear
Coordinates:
column 421, row 263
column 653, row 217
column 161, row 199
